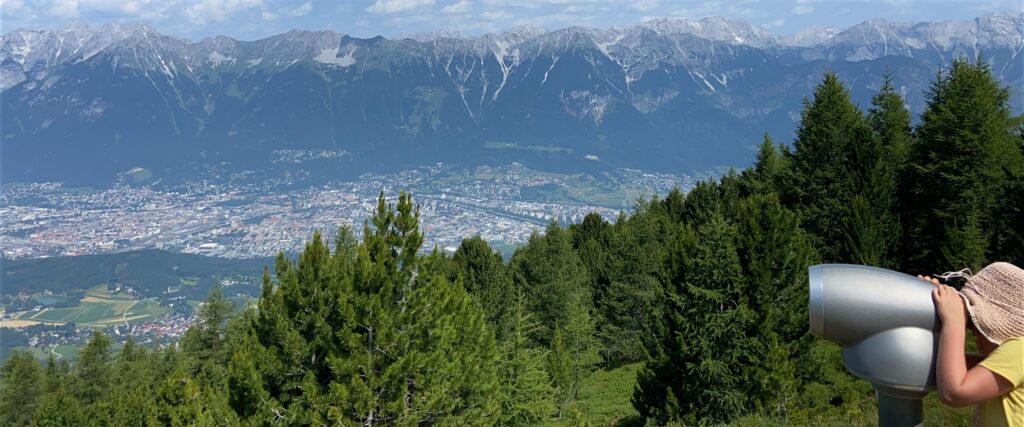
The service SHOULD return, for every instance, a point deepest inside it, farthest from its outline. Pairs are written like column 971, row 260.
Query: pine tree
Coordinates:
column 963, row 158
column 365, row 336
column 703, row 202
column 22, row 388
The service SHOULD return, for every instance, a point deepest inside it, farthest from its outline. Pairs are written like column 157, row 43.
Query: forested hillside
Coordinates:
column 706, row 290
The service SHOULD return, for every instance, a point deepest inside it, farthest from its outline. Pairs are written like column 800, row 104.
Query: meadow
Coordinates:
column 99, row 308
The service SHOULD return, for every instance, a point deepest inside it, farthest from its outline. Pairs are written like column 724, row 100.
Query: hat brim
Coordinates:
column 972, row 310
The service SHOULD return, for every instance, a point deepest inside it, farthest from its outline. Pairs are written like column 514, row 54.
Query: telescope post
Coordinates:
column 897, row 411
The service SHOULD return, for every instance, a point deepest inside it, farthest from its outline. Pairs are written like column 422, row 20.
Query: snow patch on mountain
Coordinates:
column 216, row 58
column 330, row 56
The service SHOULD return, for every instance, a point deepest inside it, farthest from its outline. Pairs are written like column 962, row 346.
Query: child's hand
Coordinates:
column 948, row 303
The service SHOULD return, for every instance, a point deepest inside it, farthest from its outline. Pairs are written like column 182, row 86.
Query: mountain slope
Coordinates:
column 82, row 104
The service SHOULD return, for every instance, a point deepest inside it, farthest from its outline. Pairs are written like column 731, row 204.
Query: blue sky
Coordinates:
column 253, row 19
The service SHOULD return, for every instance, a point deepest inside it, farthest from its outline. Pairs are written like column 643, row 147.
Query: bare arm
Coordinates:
column 958, row 386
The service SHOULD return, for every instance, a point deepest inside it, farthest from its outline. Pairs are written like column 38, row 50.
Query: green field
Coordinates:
column 101, row 308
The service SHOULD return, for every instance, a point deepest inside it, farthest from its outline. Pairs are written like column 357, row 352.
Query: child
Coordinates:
column 992, row 305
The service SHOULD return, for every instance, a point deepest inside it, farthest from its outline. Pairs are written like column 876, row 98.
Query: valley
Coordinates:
column 502, row 204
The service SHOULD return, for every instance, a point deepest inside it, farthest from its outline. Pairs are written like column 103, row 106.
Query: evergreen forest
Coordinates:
column 704, row 294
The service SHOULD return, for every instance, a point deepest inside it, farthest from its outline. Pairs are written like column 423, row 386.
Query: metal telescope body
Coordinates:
column 886, row 323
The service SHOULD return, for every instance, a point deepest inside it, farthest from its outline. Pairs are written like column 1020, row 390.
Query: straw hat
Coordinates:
column 995, row 300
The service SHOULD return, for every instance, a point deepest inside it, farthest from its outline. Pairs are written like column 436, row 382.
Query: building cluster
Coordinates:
column 254, row 220
column 158, row 330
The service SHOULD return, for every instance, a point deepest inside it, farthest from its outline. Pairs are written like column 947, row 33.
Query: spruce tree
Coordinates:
column 838, row 158
column 775, row 254
column 965, row 154
column 889, row 118
column 701, row 346
column 769, row 171
column 636, row 255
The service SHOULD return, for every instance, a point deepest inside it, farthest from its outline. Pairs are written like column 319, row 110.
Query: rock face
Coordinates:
column 82, row 103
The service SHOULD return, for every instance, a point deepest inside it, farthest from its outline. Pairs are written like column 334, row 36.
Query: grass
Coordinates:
column 605, row 398
column 100, row 292
column 605, row 401
column 68, row 352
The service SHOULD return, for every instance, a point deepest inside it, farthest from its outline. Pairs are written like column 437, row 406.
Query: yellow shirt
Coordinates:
column 1006, row 361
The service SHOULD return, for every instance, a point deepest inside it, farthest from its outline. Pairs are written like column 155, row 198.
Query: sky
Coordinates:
column 254, row 19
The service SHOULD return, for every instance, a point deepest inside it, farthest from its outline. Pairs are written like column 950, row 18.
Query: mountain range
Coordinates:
column 85, row 104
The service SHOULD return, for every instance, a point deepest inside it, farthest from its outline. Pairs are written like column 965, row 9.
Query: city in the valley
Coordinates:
column 240, row 220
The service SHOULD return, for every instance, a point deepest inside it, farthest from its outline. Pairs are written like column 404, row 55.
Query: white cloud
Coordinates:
column 775, row 24
column 13, row 7
column 993, row 6
column 704, row 9
column 65, row 8
column 496, row 15
column 218, row 10
column 302, row 10
column 802, row 10
column 144, row 9
column 643, row 5
column 461, row 6
column 395, row 6
column 268, row 15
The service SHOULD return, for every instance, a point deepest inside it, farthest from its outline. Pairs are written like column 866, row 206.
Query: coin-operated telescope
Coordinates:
column 886, row 323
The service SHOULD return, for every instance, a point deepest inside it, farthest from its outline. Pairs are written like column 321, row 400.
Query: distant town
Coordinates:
column 503, row 205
